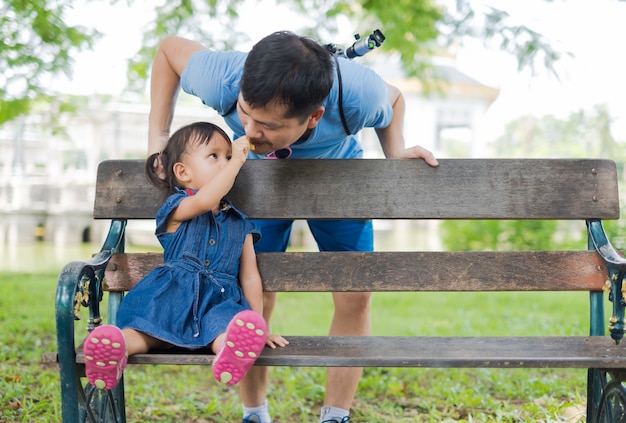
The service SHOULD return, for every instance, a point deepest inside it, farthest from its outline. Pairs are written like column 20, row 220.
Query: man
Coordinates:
column 291, row 98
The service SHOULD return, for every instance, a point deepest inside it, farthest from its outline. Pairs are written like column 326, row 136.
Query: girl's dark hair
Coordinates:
column 198, row 132
column 293, row 71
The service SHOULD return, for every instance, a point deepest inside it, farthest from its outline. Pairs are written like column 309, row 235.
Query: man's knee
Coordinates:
column 352, row 303
column 269, row 301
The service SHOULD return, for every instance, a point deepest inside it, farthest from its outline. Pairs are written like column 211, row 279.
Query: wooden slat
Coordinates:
column 390, row 189
column 402, row 271
column 416, row 351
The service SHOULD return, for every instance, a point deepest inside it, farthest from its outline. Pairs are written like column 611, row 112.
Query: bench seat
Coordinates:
column 419, row 351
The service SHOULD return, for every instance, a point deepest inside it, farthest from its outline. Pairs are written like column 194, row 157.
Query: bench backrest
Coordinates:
column 564, row 189
column 389, row 189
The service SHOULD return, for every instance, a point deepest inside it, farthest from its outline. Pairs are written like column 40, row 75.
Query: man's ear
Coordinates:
column 315, row 117
column 180, row 172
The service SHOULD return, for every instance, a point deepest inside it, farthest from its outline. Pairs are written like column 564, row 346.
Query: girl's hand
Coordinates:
column 240, row 148
column 274, row 341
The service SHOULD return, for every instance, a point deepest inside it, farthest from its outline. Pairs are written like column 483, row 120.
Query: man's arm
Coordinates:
column 392, row 137
column 169, row 62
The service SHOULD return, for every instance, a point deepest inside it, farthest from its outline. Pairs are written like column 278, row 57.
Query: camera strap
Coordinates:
column 344, row 122
column 340, row 99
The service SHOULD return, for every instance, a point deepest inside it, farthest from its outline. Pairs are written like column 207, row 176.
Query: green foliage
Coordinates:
column 523, row 43
column 35, row 43
column 583, row 134
column 414, row 29
column 210, row 22
column 503, row 235
column 410, row 27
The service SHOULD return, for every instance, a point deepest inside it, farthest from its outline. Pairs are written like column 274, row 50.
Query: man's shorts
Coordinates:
column 330, row 235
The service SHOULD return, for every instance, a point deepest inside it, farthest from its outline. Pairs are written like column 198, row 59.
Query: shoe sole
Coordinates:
column 244, row 341
column 105, row 356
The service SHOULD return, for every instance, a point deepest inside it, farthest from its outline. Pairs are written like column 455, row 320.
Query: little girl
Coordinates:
column 208, row 292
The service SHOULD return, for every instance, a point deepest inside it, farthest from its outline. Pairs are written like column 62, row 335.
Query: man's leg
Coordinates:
column 351, row 317
column 352, row 309
column 253, row 387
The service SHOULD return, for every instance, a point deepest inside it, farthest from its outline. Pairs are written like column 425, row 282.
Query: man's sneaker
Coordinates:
column 337, row 420
column 244, row 341
column 105, row 356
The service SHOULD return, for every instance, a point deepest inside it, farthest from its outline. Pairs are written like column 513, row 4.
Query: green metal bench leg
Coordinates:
column 606, row 393
column 70, row 381
column 80, row 404
column 612, row 405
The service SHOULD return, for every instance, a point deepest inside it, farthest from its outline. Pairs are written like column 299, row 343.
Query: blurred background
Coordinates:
column 484, row 78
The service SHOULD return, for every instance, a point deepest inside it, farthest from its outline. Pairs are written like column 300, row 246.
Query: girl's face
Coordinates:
column 203, row 161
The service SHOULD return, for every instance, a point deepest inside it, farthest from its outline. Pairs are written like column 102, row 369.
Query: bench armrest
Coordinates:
column 80, row 284
column 616, row 266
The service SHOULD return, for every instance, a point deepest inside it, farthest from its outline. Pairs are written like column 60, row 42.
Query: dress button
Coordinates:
column 211, row 242
column 207, row 262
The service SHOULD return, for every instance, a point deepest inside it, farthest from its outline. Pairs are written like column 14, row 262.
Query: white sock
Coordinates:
column 329, row 413
column 262, row 411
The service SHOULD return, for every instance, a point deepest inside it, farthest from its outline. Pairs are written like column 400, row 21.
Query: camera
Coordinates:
column 360, row 47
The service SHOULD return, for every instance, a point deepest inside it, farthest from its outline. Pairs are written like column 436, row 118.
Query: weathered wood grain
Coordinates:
column 390, row 189
column 419, row 351
column 401, row 271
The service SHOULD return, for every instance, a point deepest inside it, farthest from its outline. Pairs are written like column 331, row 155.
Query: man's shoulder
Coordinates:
column 212, row 58
column 214, row 77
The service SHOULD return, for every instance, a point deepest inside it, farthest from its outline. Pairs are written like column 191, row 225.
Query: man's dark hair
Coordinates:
column 290, row 70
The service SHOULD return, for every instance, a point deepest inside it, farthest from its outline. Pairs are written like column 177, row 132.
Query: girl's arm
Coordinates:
column 249, row 276
column 210, row 194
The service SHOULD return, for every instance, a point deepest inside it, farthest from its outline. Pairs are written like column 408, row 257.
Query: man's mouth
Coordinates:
column 258, row 146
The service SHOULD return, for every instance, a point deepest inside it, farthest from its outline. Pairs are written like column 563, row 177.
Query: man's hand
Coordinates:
column 157, row 144
column 418, row 152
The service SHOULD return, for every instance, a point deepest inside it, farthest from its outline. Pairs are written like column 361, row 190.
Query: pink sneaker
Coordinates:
column 244, row 341
column 105, row 356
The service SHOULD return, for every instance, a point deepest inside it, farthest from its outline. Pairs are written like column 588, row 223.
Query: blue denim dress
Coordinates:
column 190, row 300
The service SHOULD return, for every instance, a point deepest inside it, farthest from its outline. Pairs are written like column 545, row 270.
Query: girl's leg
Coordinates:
column 139, row 343
column 107, row 349
column 239, row 347
column 253, row 387
column 105, row 356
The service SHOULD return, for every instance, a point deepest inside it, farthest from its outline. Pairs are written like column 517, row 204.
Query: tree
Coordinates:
column 582, row 134
column 35, row 43
column 414, row 29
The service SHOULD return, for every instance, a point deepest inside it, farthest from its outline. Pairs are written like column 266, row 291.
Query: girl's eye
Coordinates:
column 228, row 157
column 213, row 156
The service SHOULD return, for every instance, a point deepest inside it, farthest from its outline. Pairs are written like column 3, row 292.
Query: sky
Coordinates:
column 592, row 31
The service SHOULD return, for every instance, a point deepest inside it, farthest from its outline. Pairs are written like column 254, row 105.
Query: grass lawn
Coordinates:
column 30, row 392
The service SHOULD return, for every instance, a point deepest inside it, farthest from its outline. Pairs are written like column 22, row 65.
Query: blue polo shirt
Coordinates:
column 214, row 76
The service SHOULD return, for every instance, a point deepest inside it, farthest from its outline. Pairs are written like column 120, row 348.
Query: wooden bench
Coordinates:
column 584, row 190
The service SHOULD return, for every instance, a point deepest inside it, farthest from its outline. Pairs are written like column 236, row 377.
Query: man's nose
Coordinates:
column 253, row 130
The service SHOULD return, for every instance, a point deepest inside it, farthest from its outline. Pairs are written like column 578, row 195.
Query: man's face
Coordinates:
column 267, row 128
